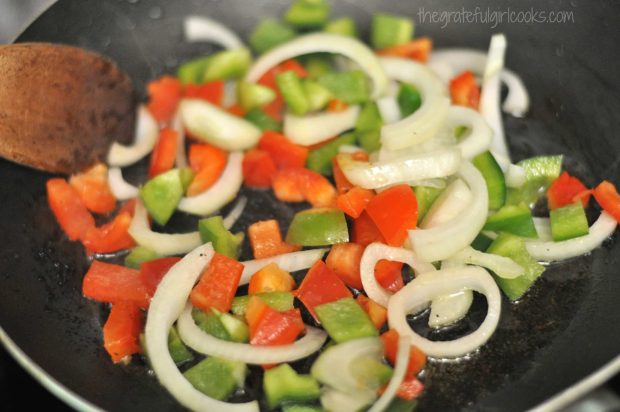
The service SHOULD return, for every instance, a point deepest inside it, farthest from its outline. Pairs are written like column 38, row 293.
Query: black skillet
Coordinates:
column 564, row 329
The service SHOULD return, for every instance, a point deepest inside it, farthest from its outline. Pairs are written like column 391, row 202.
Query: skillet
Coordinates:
column 562, row 331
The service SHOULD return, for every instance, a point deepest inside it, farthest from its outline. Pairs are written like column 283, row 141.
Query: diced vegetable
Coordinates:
column 369, row 119
column 69, row 210
column 212, row 230
column 318, row 227
column 316, row 95
column 389, row 275
column 187, row 176
column 494, row 178
column 178, row 350
column 218, row 284
column 307, row 13
column 317, row 64
column 399, row 404
column 390, row 30
column 236, row 328
column 320, row 159
column 164, row 152
column 351, row 87
column 266, row 239
column 337, row 105
column 568, row 222
column 121, row 331
column 92, row 187
column 407, row 392
column 251, row 95
column 409, row 99
column 345, row 320
column 425, row 196
column 282, row 384
column 271, row 279
column 365, row 231
column 280, row 301
column 283, row 152
column 262, row 120
column 515, row 219
column 417, row 49
column 269, row 34
column 152, row 272
column 607, row 196
column 107, row 282
column 299, row 184
column 320, row 285
column 540, row 172
column 207, row 162
column 210, row 322
column 213, row 92
column 376, row 312
column 342, row 184
column 354, row 201
column 344, row 26
column 269, row 327
column 465, row 91
column 291, row 89
column 223, row 65
column 259, row 169
column 565, row 190
column 162, row 194
column 417, row 358
column 110, row 237
column 344, row 260
column 139, row 255
column 371, row 372
column 394, row 211
column 217, row 377
column 481, row 242
column 164, row 96
column 298, row 407
column 370, row 140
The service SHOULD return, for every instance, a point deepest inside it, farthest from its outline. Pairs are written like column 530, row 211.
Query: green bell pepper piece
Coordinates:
column 318, row 227
column 344, row 26
column 481, row 242
column 568, row 222
column 320, row 160
column 369, row 118
column 351, row 87
column 292, row 92
column 540, row 172
column 316, row 95
column 401, row 405
column 262, row 120
column 307, row 14
column 217, row 377
column 494, row 178
column 344, row 320
column 139, row 255
column 515, row 219
column 227, row 64
column 316, row 64
column 282, row 384
column 178, row 351
column 280, row 301
column 298, row 407
column 371, row 372
column 409, row 99
column 426, row 196
column 237, row 329
column 210, row 323
column 162, row 194
column 187, row 175
column 251, row 95
column 269, row 34
column 389, row 30
column 212, row 230
column 370, row 140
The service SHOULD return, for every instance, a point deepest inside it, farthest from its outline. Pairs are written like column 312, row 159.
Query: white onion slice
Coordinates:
column 442, row 69
column 235, row 212
column 377, row 251
column 337, row 401
column 318, row 127
column 424, row 123
column 177, row 125
column 549, row 251
column 440, row 163
column 207, row 344
column 425, row 288
column 443, row 241
column 166, row 306
column 543, row 228
column 218, row 195
column 479, row 136
column 389, row 109
column 163, row 243
column 515, row 176
column 450, row 203
column 349, row 148
column 517, row 101
column 327, row 43
column 230, row 94
column 502, row 266
column 121, row 189
column 145, row 138
column 199, row 28
column 216, row 126
column 490, row 93
column 400, row 368
column 290, row 262
column 448, row 309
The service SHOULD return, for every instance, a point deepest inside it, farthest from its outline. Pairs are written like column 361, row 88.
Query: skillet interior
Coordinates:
column 563, row 330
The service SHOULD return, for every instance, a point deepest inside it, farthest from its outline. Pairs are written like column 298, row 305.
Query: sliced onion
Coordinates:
column 503, row 267
column 235, row 212
column 425, row 288
column 230, row 94
column 490, row 93
column 199, row 28
column 166, row 306
column 517, row 101
column 318, row 127
column 119, row 187
column 290, row 262
column 337, row 401
column 389, row 109
column 207, row 344
column 163, row 243
column 145, row 138
column 177, row 125
column 549, row 251
column 216, row 126
column 514, row 174
column 324, row 43
column 349, row 148
column 543, row 228
column 478, row 139
column 448, row 309
column 400, row 368
column 442, row 69
column 377, row 251
column 424, row 123
column 443, row 241
column 450, row 203
column 218, row 195
column 440, row 163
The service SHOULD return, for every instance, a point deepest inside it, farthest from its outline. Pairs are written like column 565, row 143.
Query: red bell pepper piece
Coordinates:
column 259, row 169
column 465, row 91
column 107, row 282
column 376, row 312
column 418, row 49
column 283, row 152
column 164, row 96
column 217, row 285
column 607, row 196
column 365, row 231
column 237, row 110
column 275, row 107
column 164, row 153
column 153, row 271
column 266, row 239
column 69, row 210
column 417, row 358
column 213, row 92
column 567, row 189
column 271, row 279
column 342, row 184
column 208, row 162
column 389, row 275
column 92, row 186
column 354, row 201
column 344, row 260
column 335, row 106
column 321, row 285
column 277, row 328
column 394, row 211
column 409, row 389
column 110, row 237
column 121, row 331
column 298, row 184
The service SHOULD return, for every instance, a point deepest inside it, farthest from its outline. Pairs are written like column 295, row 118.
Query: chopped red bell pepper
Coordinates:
column 335, row 106
column 122, row 329
column 409, row 389
column 237, row 110
column 164, row 96
column 271, row 279
column 299, row 184
column 321, row 285
column 465, row 91
column 354, row 201
column 259, row 169
column 68, row 208
column 277, row 328
column 283, row 152
column 567, row 189
column 389, row 275
column 418, row 49
column 376, row 312
column 365, row 231
column 342, row 184
column 164, row 153
column 217, row 285
column 153, row 271
column 92, row 186
column 344, row 260
column 213, row 92
column 607, row 196
column 266, row 239
column 394, row 211
column 107, row 282
column 417, row 358
column 110, row 237
column 208, row 162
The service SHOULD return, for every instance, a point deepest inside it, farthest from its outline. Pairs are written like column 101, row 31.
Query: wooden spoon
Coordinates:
column 61, row 106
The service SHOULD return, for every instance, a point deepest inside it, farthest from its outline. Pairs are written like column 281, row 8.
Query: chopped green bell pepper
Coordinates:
column 316, row 95
column 369, row 118
column 269, row 34
column 162, row 194
column 344, row 26
column 371, row 372
column 237, row 329
column 210, row 323
column 389, row 30
column 280, row 301
column 481, row 242
column 426, row 196
column 187, row 175
column 251, row 95
column 350, row 87
column 540, row 172
column 320, row 160
column 515, row 219
column 307, row 14
column 344, row 320
column 212, row 230
column 568, row 222
column 318, row 227
column 262, row 120
column 282, row 384
column 370, row 140
column 317, row 64
column 494, row 178
column 178, row 351
column 293, row 92
column 401, row 405
column 139, row 255
column 217, row 377
column 223, row 65
column 409, row 99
